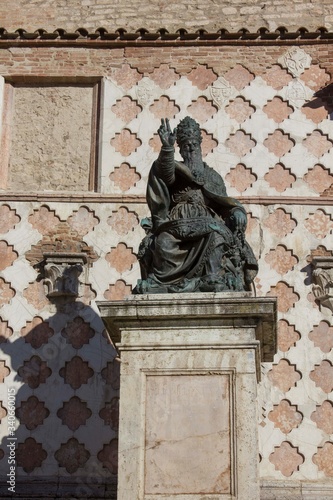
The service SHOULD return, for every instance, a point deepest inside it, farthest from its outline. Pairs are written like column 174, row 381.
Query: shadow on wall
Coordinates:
column 63, row 387
column 322, row 101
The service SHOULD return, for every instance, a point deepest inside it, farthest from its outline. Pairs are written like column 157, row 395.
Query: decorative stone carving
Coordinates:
column 61, row 273
column 296, row 60
column 322, row 277
column 296, row 94
column 144, row 92
column 221, row 91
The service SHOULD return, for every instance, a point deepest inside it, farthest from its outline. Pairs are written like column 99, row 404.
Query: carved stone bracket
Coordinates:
column 61, row 273
column 322, row 277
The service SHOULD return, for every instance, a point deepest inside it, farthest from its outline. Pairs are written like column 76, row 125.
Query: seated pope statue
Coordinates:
column 195, row 238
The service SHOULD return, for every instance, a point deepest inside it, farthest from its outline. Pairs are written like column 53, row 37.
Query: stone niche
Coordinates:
column 190, row 364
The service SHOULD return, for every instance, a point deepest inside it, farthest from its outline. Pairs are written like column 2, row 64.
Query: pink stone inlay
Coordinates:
column 280, row 223
column 8, row 218
column 6, row 292
column 76, row 372
column 319, row 224
column 126, row 76
column 241, row 178
column 322, row 336
column 44, row 220
column 208, row 143
column 278, row 110
column 125, row 142
column 324, row 459
column 280, row 178
column 87, row 295
column 126, row 109
column 155, row 143
column 125, row 177
column 4, row 371
column 78, row 333
column 285, row 416
column 286, row 296
column 3, row 412
column 240, row 143
column 123, row 221
column 5, row 331
column 323, row 416
column 252, row 224
column 281, row 259
column 279, row 143
column 286, row 458
column 111, row 374
column 315, row 110
column 239, row 77
column 34, row 372
column 74, row 413
column 109, row 456
column 277, row 77
column 83, row 221
column 322, row 376
column 164, row 76
column 202, row 109
column 110, row 414
column 315, row 77
column 37, row 332
column 121, row 258
column 7, row 255
column 317, row 143
column 164, row 108
column 30, row 455
column 72, row 455
column 284, row 375
column 287, row 335
column 240, row 109
column 202, row 77
column 35, row 295
column 32, row 413
column 319, row 178
column 118, row 291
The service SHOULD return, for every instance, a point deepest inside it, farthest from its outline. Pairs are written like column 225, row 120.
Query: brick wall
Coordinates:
column 172, row 15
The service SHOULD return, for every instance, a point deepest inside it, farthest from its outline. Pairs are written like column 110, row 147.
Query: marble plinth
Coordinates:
column 189, row 370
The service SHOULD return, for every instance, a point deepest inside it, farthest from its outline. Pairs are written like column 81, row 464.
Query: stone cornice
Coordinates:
column 120, row 37
column 115, row 198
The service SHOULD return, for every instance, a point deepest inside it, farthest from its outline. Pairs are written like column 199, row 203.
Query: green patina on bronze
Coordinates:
column 195, row 237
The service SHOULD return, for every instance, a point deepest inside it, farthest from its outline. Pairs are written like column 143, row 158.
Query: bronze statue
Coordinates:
column 195, row 238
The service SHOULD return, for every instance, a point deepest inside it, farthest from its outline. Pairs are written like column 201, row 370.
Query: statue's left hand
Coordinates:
column 239, row 220
column 168, row 138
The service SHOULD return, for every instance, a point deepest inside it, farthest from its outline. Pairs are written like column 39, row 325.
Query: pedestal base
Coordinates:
column 189, row 369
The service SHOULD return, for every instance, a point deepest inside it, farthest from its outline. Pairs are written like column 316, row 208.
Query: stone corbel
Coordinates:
column 61, row 273
column 322, row 277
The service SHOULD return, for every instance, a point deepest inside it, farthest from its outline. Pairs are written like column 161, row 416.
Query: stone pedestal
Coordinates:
column 189, row 370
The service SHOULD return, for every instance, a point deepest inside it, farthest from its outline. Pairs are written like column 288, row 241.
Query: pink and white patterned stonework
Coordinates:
column 273, row 146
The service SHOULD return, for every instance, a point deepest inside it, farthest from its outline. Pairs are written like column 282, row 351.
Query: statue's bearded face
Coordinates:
column 190, row 150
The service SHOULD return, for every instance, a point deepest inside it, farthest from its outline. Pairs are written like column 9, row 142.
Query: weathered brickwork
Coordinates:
column 270, row 135
column 152, row 15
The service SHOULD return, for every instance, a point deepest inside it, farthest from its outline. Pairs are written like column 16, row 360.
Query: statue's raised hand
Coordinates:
column 238, row 220
column 168, row 138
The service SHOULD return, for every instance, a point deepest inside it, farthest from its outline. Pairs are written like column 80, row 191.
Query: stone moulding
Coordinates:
column 322, row 277
column 162, row 34
column 225, row 310
column 60, row 273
